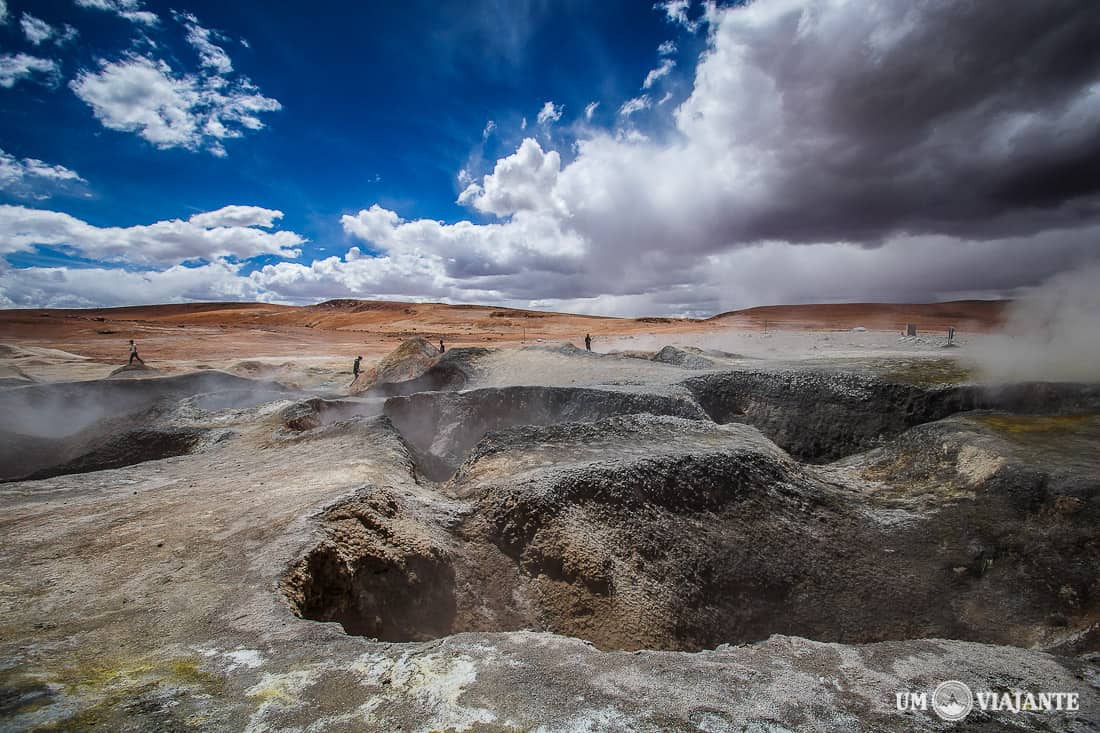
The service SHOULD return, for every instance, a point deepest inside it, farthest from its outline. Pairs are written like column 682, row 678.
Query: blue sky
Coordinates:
column 381, row 102
column 610, row 157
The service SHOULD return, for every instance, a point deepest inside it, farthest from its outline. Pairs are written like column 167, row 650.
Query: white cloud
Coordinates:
column 489, row 127
column 667, row 48
column 550, row 113
column 523, row 181
column 523, row 124
column 354, row 276
column 131, row 10
column 725, row 281
column 141, row 95
column 211, row 55
column 35, row 29
column 60, row 287
column 33, row 178
column 206, row 236
column 676, row 11
column 238, row 216
column 68, row 33
column 467, row 250
column 429, row 259
column 3, row 12
column 144, row 96
column 655, row 75
column 637, row 104
column 590, row 109
column 14, row 67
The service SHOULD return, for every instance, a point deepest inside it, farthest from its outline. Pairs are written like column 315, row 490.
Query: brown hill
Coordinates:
column 222, row 331
column 970, row 315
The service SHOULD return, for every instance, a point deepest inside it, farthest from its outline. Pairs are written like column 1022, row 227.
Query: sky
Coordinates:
column 681, row 158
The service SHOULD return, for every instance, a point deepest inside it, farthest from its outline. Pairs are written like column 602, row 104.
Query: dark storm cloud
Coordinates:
column 978, row 119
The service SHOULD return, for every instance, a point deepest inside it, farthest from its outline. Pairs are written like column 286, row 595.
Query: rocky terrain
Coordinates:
column 544, row 538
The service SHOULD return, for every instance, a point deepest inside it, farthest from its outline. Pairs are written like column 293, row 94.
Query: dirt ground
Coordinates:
column 226, row 331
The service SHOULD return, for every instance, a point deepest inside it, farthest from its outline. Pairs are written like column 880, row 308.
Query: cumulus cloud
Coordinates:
column 208, row 236
column 145, row 96
column 15, row 67
column 523, row 181
column 238, row 216
column 528, row 240
column 35, row 29
column 655, row 75
column 131, row 10
column 59, row 287
column 667, row 48
column 354, row 276
column 33, row 178
column 489, row 127
column 38, row 31
column 417, row 268
column 550, row 113
column 589, row 110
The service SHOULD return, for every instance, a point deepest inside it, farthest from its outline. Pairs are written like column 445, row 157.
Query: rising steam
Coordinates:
column 1051, row 334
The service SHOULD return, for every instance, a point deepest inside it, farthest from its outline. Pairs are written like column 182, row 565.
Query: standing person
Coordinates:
column 134, row 354
column 588, row 341
column 442, row 348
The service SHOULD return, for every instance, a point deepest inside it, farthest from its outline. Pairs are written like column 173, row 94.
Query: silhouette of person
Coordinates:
column 355, row 366
column 442, row 348
column 588, row 341
column 134, row 354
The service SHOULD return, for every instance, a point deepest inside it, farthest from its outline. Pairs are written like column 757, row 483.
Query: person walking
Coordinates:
column 588, row 341
column 134, row 355
column 355, row 368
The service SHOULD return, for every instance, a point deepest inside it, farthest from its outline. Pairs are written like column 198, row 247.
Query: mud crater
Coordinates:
column 66, row 428
column 672, row 520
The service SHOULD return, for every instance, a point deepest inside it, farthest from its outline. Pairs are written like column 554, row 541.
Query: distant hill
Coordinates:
column 972, row 315
column 221, row 331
